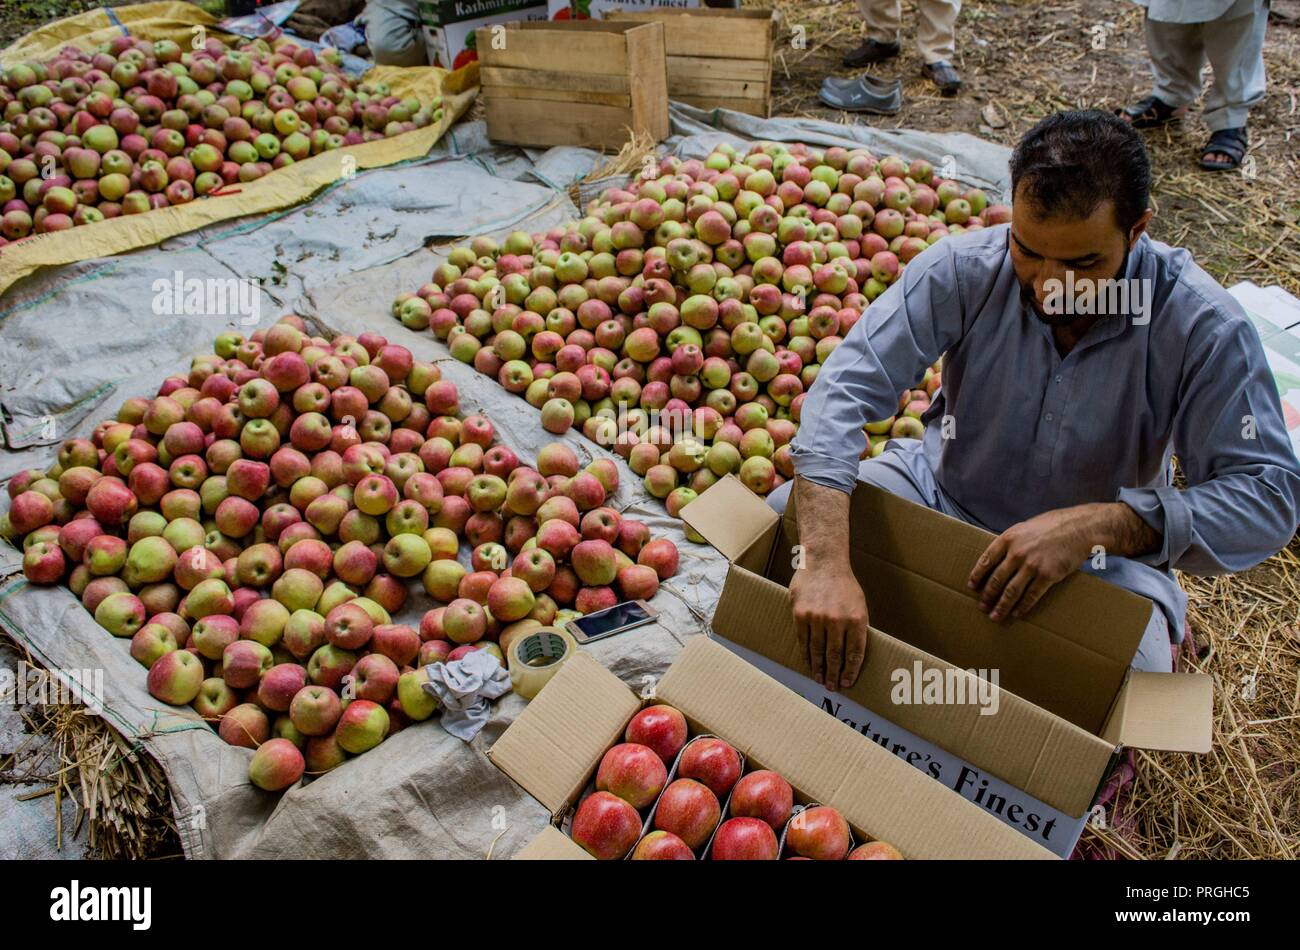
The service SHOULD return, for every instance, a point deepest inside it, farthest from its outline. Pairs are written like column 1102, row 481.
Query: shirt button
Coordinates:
column 1049, row 417
column 1058, row 379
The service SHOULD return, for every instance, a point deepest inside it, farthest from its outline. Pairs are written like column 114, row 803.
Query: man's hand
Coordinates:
column 830, row 612
column 830, row 617
column 1023, row 562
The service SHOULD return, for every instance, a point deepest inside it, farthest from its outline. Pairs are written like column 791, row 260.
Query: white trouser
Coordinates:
column 1235, row 50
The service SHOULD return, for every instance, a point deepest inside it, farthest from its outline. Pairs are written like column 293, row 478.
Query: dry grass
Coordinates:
column 121, row 793
column 1022, row 59
column 639, row 149
column 1242, row 800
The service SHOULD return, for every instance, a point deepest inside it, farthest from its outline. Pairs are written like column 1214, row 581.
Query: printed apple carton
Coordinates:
column 449, row 26
column 555, row 746
column 1035, row 736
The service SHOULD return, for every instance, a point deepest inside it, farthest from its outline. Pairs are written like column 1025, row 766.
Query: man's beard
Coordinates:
column 1065, row 318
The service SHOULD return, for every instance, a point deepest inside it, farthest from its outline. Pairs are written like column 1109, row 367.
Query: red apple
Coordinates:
column 820, row 833
column 689, row 810
column 711, row 761
column 605, row 826
column 633, row 772
column 661, row 728
column 875, row 851
column 763, row 794
column 744, row 839
column 662, row 846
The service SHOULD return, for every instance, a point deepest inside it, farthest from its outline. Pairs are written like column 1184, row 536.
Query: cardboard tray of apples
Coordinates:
column 664, row 795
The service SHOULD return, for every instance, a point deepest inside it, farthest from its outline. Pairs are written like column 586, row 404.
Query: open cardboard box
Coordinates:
column 1065, row 698
column 553, row 748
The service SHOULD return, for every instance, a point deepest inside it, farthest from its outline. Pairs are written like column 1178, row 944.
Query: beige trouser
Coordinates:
column 936, row 33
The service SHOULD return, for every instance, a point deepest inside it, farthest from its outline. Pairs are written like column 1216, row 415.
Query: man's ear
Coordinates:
column 1139, row 227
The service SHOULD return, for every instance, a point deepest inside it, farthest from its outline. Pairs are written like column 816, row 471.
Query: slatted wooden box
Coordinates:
column 574, row 83
column 716, row 58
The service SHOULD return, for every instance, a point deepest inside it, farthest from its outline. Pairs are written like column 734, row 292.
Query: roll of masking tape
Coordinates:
column 535, row 657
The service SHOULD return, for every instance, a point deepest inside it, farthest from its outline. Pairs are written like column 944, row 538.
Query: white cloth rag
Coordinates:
column 463, row 689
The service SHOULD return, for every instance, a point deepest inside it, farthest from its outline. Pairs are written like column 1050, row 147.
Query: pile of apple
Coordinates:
column 682, row 320
column 685, row 786
column 137, row 125
column 253, row 527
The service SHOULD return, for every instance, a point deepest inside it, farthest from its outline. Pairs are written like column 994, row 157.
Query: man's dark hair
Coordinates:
column 1070, row 162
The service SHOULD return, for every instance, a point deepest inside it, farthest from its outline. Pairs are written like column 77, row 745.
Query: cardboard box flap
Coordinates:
column 1051, row 759
column 877, row 792
column 1070, row 655
column 1046, row 756
column 556, row 742
column 1164, row 712
column 552, row 845
column 730, row 517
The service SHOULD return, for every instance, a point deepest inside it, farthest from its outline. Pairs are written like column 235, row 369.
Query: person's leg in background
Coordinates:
column 1235, row 49
column 883, row 18
column 393, row 32
column 1154, row 654
column 1177, row 52
column 936, row 39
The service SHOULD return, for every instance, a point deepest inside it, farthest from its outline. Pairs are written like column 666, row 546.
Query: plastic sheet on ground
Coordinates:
column 76, row 341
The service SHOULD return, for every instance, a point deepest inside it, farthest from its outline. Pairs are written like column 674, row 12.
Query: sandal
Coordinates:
column 1230, row 142
column 1150, row 113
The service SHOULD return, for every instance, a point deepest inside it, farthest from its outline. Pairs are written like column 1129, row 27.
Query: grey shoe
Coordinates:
column 862, row 94
column 882, row 86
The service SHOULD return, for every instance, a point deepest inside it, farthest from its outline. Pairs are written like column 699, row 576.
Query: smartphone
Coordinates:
column 611, row 620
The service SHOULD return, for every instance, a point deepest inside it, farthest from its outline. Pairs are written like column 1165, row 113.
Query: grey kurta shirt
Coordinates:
column 1029, row 431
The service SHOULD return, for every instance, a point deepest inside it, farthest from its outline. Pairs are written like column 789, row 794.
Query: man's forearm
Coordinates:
column 823, row 525
column 1023, row 562
column 830, row 611
column 1119, row 530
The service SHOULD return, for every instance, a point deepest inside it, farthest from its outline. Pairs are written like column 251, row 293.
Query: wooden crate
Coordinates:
column 583, row 83
column 716, row 58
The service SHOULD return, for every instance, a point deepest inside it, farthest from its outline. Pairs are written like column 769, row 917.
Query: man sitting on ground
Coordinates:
column 1056, row 424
